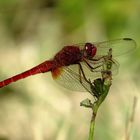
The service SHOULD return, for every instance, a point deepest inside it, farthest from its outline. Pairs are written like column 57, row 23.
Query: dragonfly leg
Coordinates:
column 105, row 57
column 91, row 68
column 97, row 59
column 81, row 72
column 80, row 75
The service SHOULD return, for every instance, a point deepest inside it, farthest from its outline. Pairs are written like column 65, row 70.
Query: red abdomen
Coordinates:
column 41, row 68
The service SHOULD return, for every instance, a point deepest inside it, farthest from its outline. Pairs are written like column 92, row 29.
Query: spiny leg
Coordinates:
column 92, row 68
column 97, row 59
column 81, row 72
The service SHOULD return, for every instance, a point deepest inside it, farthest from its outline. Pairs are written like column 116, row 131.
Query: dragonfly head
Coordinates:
column 89, row 50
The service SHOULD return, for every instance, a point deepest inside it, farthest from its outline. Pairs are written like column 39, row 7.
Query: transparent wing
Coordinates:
column 70, row 79
column 69, row 76
column 119, row 46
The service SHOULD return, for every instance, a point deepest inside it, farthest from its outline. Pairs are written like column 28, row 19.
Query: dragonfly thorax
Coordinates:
column 68, row 55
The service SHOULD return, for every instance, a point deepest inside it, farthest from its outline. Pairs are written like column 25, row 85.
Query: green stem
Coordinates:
column 95, row 108
column 92, row 124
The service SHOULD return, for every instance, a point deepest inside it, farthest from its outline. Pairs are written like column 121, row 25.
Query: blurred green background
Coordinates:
column 36, row 108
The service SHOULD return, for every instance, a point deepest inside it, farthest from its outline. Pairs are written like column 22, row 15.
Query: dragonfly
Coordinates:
column 74, row 64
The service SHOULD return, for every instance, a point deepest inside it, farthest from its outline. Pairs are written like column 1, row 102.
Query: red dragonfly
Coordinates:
column 72, row 65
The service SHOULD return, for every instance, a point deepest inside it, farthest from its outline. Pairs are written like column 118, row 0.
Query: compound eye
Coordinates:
column 90, row 50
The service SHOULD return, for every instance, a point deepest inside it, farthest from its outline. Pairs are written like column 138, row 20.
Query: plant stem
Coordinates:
column 95, row 107
column 92, row 124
